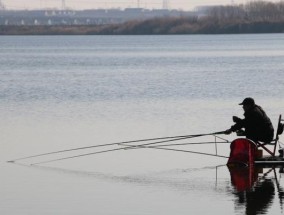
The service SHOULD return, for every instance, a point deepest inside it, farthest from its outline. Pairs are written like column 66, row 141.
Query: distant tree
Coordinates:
column 252, row 11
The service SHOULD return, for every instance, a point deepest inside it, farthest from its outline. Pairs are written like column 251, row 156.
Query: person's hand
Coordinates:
column 240, row 133
column 229, row 131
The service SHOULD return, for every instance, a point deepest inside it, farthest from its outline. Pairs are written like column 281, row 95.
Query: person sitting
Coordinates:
column 257, row 125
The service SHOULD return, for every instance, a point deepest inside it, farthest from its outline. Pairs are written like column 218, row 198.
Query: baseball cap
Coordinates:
column 248, row 101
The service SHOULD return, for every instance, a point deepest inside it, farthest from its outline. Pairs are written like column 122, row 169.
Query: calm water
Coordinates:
column 65, row 92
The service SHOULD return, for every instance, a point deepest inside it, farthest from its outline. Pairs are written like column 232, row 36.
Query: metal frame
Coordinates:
column 274, row 142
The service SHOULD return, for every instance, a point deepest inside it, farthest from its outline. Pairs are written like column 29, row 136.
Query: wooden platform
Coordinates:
column 270, row 160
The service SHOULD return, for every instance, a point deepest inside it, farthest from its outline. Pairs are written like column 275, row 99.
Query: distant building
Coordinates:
column 84, row 17
column 2, row 6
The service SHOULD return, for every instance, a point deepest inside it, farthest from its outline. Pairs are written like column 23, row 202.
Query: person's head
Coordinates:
column 247, row 103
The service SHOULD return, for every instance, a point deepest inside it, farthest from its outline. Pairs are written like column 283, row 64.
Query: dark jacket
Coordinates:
column 258, row 126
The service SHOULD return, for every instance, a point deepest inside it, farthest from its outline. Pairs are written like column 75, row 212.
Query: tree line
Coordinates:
column 252, row 17
column 256, row 11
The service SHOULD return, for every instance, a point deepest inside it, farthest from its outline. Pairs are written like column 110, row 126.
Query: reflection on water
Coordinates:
column 253, row 190
column 174, row 179
column 256, row 188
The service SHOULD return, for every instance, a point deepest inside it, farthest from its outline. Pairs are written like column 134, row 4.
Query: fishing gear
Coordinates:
column 173, row 138
column 94, row 146
column 187, row 151
column 110, row 150
column 129, row 147
column 192, row 143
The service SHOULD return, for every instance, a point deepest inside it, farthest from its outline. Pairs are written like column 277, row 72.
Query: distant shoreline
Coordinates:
column 253, row 17
column 181, row 26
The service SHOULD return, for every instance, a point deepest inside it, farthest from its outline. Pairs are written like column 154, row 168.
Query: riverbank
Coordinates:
column 253, row 17
column 150, row 27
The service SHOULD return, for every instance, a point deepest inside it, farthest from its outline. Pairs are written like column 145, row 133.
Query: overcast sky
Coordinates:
column 87, row 4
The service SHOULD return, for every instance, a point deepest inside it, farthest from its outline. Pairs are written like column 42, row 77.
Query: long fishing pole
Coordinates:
column 109, row 144
column 96, row 146
column 182, row 144
column 127, row 147
column 187, row 151
column 110, row 150
column 181, row 150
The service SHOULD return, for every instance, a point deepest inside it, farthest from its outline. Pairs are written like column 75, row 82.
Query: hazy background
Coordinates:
column 84, row 4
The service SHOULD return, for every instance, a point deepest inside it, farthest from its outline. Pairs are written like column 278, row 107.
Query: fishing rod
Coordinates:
column 110, row 150
column 181, row 150
column 184, row 144
column 127, row 147
column 190, row 143
column 109, row 144
column 96, row 146
column 187, row 151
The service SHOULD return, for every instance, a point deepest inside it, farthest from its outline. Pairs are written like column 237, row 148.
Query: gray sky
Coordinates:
column 87, row 4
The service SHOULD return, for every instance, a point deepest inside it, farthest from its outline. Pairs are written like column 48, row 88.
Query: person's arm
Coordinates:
column 239, row 123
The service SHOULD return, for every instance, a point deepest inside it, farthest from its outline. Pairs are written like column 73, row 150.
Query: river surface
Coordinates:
column 64, row 92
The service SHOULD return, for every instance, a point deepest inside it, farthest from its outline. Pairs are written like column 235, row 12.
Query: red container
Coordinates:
column 243, row 152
